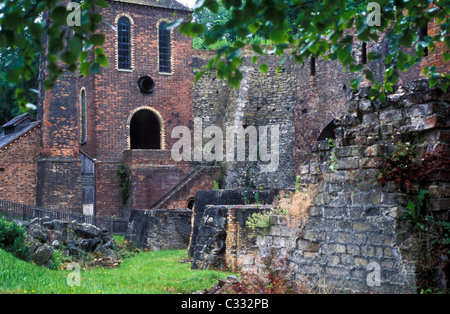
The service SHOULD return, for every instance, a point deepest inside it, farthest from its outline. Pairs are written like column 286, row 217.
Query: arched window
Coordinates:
column 191, row 204
column 328, row 132
column 83, row 117
column 164, row 49
column 145, row 130
column 124, row 43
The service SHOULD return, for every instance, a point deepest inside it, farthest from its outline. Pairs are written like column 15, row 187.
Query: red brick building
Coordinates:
column 123, row 116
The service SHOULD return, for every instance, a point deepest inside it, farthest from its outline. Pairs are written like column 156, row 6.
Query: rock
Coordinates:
column 86, row 230
column 73, row 247
column 54, row 235
column 60, row 225
column 38, row 233
column 42, row 254
column 45, row 235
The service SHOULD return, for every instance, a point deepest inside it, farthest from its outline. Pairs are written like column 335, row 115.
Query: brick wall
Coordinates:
column 117, row 97
column 59, row 165
column 18, row 168
column 437, row 57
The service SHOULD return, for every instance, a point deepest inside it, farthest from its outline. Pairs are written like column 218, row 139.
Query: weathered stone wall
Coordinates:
column 212, row 200
column 261, row 100
column 223, row 240
column 159, row 229
column 353, row 228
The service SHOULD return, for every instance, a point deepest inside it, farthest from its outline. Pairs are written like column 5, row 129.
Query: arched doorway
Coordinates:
column 145, row 130
column 190, row 204
column 328, row 132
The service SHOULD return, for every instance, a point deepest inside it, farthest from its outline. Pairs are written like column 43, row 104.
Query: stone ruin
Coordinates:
column 73, row 238
column 354, row 239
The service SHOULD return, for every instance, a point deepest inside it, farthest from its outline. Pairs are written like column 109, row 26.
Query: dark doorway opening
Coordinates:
column 191, row 204
column 145, row 130
column 328, row 132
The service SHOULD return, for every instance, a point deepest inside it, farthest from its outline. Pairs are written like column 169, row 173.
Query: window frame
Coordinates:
column 168, row 45
column 83, row 116
column 131, row 43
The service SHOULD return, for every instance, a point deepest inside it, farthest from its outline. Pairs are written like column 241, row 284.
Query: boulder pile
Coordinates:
column 73, row 238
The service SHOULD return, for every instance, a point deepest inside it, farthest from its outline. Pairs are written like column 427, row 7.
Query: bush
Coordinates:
column 12, row 239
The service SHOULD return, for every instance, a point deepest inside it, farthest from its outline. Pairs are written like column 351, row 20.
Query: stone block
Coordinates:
column 370, row 118
column 387, row 129
column 375, row 150
column 365, row 105
column 347, row 164
column 366, row 198
column 304, row 169
column 391, row 115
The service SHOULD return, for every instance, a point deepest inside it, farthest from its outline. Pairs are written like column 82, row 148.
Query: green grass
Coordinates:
column 147, row 272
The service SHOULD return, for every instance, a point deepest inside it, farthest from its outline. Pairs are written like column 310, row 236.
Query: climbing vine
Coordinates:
column 125, row 182
column 408, row 169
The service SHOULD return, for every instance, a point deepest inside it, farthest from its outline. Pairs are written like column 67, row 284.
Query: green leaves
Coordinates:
column 305, row 28
column 24, row 23
column 278, row 36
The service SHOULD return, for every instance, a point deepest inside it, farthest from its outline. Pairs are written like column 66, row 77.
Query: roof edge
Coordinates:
column 165, row 4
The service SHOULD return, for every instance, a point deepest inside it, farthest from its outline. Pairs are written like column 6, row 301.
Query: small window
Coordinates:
column 164, row 49
column 312, row 66
column 364, row 53
column 83, row 117
column 124, row 43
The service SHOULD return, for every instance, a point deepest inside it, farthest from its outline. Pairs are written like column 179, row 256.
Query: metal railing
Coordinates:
column 23, row 212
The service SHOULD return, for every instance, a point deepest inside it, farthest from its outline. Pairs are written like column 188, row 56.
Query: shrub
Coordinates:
column 292, row 205
column 12, row 239
column 296, row 205
column 407, row 169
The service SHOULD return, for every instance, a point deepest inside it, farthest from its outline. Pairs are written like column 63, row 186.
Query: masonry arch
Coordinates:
column 145, row 129
column 328, row 132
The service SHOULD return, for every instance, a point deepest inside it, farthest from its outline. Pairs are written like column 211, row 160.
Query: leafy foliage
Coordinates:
column 9, row 106
column 125, row 182
column 407, row 169
column 24, row 25
column 304, row 28
column 12, row 239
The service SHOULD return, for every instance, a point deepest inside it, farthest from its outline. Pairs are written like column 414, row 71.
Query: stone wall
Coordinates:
column 223, row 240
column 209, row 204
column 353, row 230
column 159, row 229
column 261, row 100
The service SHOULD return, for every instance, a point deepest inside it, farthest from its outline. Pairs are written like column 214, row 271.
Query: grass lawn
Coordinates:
column 147, row 272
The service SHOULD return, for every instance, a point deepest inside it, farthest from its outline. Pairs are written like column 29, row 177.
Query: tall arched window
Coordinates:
column 164, row 49
column 83, row 117
column 124, row 43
